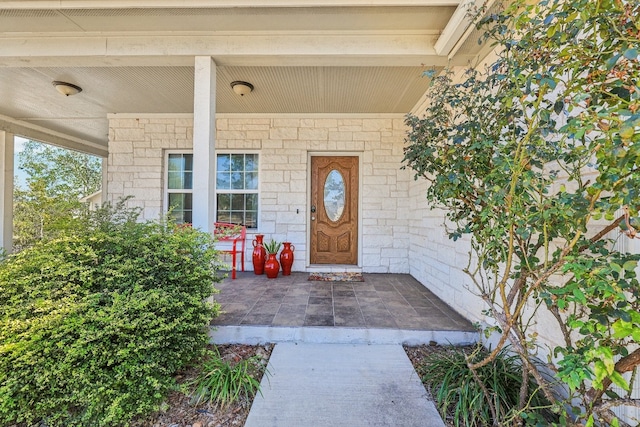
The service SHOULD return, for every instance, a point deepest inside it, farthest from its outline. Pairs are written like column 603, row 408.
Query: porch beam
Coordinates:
column 204, row 130
column 263, row 48
column 6, row 184
column 42, row 134
column 119, row 4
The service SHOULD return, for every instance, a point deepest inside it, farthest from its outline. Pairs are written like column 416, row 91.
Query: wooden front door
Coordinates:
column 334, row 210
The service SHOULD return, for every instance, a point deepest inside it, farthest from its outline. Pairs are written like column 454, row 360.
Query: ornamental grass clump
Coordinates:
column 94, row 323
column 485, row 396
column 223, row 382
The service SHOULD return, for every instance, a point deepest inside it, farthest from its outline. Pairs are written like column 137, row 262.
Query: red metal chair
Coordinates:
column 230, row 239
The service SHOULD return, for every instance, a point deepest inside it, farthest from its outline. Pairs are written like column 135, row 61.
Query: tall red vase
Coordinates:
column 271, row 266
column 286, row 258
column 259, row 254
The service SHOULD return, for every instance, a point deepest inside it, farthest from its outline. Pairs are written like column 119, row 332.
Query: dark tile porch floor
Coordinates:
column 382, row 301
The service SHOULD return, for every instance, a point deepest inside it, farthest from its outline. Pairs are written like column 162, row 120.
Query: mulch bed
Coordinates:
column 417, row 354
column 178, row 411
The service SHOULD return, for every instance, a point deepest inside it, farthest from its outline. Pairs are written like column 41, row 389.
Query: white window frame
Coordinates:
column 236, row 191
column 166, row 189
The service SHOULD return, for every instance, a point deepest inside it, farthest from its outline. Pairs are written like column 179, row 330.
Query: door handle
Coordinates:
column 313, row 209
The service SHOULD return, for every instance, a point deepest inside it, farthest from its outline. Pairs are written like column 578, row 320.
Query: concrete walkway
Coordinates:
column 336, row 385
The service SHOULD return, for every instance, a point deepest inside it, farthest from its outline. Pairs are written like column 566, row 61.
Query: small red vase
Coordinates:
column 286, row 258
column 271, row 266
column 259, row 254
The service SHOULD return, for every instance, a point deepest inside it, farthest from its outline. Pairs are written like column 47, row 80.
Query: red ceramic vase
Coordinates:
column 286, row 258
column 271, row 266
column 259, row 254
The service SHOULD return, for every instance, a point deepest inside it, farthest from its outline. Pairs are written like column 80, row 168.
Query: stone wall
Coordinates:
column 136, row 156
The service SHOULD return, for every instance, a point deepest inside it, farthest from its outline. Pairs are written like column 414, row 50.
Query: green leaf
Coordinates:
column 600, row 372
column 622, row 329
column 611, row 62
column 589, row 421
column 618, row 380
column 615, row 267
column 631, row 53
column 558, row 106
column 630, row 265
column 579, row 295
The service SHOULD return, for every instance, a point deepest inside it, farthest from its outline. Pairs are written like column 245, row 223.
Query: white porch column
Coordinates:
column 6, row 185
column 204, row 133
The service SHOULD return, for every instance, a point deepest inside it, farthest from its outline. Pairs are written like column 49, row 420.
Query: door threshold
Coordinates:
column 333, row 268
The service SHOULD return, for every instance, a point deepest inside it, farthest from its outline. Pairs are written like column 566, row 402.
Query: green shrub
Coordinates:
column 460, row 396
column 93, row 324
column 224, row 382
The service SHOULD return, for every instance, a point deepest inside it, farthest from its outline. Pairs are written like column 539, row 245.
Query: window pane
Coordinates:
column 251, row 202
column 237, row 162
column 182, row 217
column 176, row 201
column 251, row 181
column 224, row 202
column 188, row 180
column 237, row 181
column 176, row 162
column 334, row 195
column 188, row 217
column 237, row 217
column 181, row 207
column 224, row 162
column 251, row 220
column 251, row 162
column 175, row 180
column 223, row 217
column 237, row 202
column 223, row 180
column 188, row 201
column 188, row 162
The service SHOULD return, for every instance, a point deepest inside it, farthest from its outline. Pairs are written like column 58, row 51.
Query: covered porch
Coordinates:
column 383, row 309
column 331, row 80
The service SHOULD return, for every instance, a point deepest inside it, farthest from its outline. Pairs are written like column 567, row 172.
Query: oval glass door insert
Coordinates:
column 334, row 195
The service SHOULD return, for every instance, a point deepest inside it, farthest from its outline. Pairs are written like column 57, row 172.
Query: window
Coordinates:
column 180, row 186
column 237, row 189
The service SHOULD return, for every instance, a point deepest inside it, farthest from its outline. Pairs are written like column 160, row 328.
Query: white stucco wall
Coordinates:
column 136, row 155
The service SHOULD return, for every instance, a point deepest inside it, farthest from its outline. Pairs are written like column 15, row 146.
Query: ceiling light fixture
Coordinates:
column 67, row 89
column 241, row 88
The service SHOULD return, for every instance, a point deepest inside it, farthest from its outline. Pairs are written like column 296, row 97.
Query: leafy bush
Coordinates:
column 469, row 397
column 224, row 382
column 535, row 159
column 94, row 323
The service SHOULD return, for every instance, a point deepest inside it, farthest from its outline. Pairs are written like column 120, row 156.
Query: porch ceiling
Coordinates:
column 137, row 57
